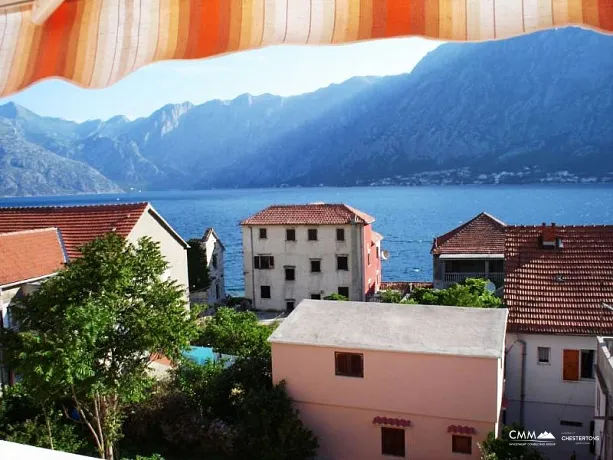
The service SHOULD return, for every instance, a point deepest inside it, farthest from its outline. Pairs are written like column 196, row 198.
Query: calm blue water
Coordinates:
column 408, row 217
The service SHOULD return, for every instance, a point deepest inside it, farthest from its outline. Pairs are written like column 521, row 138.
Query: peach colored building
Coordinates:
column 378, row 381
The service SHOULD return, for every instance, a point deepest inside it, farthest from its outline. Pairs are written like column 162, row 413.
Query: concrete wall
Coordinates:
column 298, row 254
column 432, row 391
column 549, row 399
column 172, row 250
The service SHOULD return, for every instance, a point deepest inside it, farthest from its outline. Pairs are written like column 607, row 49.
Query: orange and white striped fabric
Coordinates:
column 94, row 43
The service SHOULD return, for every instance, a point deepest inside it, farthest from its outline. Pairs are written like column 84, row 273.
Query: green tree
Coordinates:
column 471, row 292
column 197, row 267
column 335, row 296
column 494, row 448
column 391, row 296
column 89, row 333
column 236, row 333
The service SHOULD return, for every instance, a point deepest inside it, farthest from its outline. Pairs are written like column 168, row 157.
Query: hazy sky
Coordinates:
column 283, row 70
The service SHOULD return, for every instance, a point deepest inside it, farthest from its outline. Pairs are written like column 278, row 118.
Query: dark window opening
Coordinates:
column 217, row 291
column 263, row 234
column 570, row 423
column 461, row 444
column 344, row 291
column 316, row 296
column 290, row 234
column 369, row 259
column 315, row 266
column 290, row 273
column 587, row 364
column 312, row 234
column 340, row 234
column 289, row 305
column 265, row 292
column 263, row 262
column 342, row 263
column 214, row 261
column 392, row 442
column 349, row 364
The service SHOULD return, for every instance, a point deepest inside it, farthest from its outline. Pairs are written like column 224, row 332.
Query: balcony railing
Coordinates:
column 457, row 277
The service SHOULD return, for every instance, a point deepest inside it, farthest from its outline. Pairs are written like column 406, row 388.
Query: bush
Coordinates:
column 336, row 296
column 471, row 292
column 494, row 448
column 391, row 296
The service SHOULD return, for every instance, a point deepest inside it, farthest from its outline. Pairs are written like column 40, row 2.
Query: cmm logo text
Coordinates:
column 530, row 437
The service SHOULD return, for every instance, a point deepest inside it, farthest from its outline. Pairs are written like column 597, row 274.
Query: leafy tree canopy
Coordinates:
column 335, row 296
column 90, row 331
column 470, row 293
column 494, row 448
column 197, row 267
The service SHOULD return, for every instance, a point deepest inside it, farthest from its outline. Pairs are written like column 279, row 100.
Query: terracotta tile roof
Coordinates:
column 78, row 224
column 484, row 234
column 559, row 290
column 308, row 214
column 30, row 254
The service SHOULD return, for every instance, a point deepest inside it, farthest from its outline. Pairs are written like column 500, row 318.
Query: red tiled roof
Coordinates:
column 308, row 214
column 29, row 255
column 78, row 224
column 559, row 290
column 484, row 234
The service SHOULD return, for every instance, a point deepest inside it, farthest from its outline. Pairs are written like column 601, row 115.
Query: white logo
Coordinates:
column 545, row 435
column 530, row 438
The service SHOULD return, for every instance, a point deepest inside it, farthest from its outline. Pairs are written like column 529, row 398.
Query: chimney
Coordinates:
column 549, row 236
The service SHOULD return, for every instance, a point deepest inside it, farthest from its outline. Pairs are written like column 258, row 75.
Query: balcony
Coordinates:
column 457, row 277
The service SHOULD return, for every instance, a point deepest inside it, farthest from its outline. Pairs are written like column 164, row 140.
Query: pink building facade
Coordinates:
column 378, row 381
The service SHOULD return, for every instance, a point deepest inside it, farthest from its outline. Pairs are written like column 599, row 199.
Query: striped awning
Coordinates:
column 94, row 43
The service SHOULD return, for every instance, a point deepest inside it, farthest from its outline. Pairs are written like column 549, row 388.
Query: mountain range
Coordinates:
column 536, row 108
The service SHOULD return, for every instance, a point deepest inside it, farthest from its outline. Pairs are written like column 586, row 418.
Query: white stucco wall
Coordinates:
column 217, row 275
column 298, row 254
column 172, row 250
column 548, row 398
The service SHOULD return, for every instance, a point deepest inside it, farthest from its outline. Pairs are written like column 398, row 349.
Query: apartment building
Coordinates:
column 295, row 252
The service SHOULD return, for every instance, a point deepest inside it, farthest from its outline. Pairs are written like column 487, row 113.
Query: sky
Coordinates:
column 280, row 70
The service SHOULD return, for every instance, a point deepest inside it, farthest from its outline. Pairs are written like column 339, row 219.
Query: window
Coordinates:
column 344, row 291
column 216, row 291
column 214, row 261
column 392, row 442
column 570, row 366
column 312, row 234
column 571, row 423
column 264, row 262
column 578, row 364
column 349, row 364
column 461, row 444
column 316, row 296
column 587, row 364
column 342, row 263
column 290, row 273
column 543, row 355
column 265, row 292
column 290, row 234
column 263, row 234
column 340, row 234
column 289, row 305
column 369, row 258
column 315, row 266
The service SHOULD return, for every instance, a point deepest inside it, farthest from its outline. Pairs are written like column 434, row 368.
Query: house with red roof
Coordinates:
column 558, row 289
column 309, row 251
column 475, row 249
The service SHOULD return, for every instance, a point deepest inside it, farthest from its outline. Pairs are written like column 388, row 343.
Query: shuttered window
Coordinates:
column 461, row 444
column 570, row 369
column 349, row 364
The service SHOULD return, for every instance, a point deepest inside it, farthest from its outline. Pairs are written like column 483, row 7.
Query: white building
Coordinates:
column 603, row 407
column 297, row 252
column 557, row 282
column 214, row 253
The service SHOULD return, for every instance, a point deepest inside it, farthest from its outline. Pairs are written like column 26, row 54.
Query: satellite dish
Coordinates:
column 385, row 254
column 490, row 287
